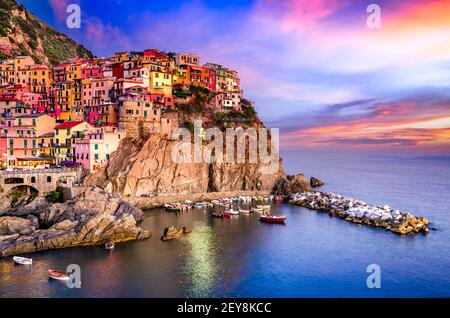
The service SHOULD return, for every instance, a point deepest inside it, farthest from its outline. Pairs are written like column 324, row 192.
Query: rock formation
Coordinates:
column 315, row 183
column 359, row 212
column 145, row 166
column 92, row 218
column 287, row 185
column 172, row 233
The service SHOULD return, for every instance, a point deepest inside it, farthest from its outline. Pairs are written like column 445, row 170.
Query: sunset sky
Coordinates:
column 314, row 68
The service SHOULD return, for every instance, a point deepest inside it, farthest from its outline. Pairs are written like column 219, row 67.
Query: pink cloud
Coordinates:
column 300, row 15
column 101, row 35
column 59, row 8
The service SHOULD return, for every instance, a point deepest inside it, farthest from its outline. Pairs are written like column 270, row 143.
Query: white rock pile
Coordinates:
column 360, row 212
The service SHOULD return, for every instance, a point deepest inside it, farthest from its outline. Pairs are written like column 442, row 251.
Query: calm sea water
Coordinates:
column 314, row 255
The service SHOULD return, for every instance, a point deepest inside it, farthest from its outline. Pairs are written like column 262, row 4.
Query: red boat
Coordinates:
column 273, row 219
column 58, row 275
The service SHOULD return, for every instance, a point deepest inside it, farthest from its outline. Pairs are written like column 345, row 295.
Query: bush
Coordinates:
column 188, row 125
column 54, row 197
column 15, row 196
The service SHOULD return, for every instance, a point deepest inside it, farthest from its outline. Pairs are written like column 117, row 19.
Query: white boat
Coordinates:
column 22, row 260
column 257, row 210
column 264, row 207
column 242, row 211
column 232, row 212
column 110, row 245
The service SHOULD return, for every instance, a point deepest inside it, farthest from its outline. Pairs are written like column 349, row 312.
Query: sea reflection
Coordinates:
column 201, row 263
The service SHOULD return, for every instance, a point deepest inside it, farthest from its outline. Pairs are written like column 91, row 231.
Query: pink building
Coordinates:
column 96, row 92
column 3, row 153
column 96, row 148
column 5, row 45
column 92, row 71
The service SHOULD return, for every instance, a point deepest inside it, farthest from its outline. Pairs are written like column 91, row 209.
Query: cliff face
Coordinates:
column 30, row 36
column 141, row 167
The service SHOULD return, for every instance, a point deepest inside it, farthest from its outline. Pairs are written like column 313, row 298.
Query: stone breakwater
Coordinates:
column 359, row 212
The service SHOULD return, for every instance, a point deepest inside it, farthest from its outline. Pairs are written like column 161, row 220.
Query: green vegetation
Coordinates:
column 37, row 60
column 15, row 196
column 188, row 125
column 3, row 56
column 54, row 197
column 27, row 28
column 55, row 46
column 198, row 98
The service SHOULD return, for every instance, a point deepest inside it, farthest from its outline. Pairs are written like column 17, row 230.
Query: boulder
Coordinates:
column 187, row 229
column 315, row 183
column 91, row 218
column 10, row 225
column 172, row 232
column 288, row 185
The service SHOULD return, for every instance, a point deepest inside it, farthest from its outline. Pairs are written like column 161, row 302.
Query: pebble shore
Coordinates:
column 360, row 212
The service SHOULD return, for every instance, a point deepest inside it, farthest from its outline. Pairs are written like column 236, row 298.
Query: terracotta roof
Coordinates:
column 68, row 124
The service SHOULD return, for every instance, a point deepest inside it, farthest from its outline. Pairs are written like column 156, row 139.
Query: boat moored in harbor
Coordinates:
column 273, row 219
column 58, row 275
column 22, row 260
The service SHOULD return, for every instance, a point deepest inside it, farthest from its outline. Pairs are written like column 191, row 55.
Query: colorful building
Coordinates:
column 95, row 149
column 21, row 135
column 64, row 135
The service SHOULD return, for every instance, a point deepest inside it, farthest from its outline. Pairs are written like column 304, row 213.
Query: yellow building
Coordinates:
column 160, row 79
column 41, row 78
column 64, row 101
column 7, row 73
column 21, row 63
column 64, row 134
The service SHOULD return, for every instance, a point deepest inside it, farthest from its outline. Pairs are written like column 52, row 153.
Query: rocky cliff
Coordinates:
column 143, row 164
column 145, row 167
column 30, row 36
column 92, row 218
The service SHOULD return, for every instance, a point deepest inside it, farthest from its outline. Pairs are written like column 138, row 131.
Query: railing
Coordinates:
column 39, row 171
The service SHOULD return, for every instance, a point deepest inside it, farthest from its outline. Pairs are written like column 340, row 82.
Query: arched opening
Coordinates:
column 14, row 181
column 22, row 194
column 33, row 180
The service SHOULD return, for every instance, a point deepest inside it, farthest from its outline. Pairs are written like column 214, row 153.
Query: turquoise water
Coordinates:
column 314, row 255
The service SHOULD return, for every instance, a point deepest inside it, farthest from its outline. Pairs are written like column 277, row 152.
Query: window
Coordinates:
column 49, row 179
column 33, row 179
column 96, row 147
column 96, row 157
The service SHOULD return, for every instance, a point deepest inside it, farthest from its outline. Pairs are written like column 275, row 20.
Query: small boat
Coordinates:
column 110, row 245
column 199, row 205
column 22, row 260
column 256, row 210
column 58, row 275
column 242, row 211
column 218, row 215
column 273, row 219
column 172, row 208
column 232, row 212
